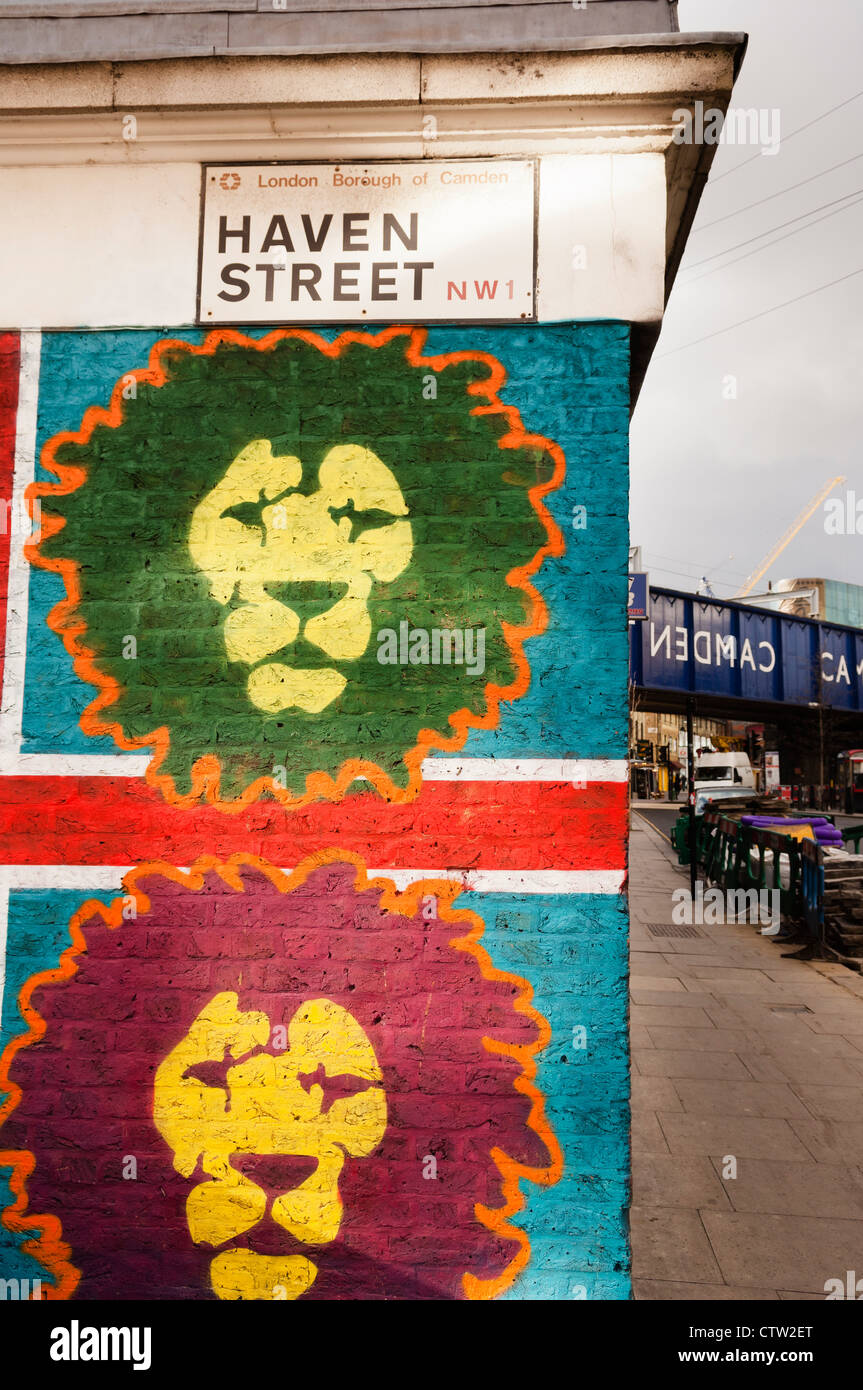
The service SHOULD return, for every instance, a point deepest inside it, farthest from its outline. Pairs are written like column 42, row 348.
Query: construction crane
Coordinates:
column 788, row 537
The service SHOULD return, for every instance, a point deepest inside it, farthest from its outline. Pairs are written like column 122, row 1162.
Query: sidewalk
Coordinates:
column 738, row 1054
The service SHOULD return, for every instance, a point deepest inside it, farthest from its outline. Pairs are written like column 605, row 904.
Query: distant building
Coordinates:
column 837, row 602
column 658, row 751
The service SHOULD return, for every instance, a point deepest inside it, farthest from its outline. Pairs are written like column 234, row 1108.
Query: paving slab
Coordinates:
column 840, row 1023
column 716, row 1097
column 833, row 1102
column 794, row 1189
column 769, row 1251
column 829, row 1141
column 659, row 1290
column 669, row 998
column 707, row 1066
column 762, row 1067
column 660, row 1180
column 698, row 1039
column 651, row 964
column 810, row 1066
column 672, row 1244
column 742, row 1136
column 639, row 1038
column 669, row 1017
column 750, row 982
column 647, row 1137
column 654, row 1093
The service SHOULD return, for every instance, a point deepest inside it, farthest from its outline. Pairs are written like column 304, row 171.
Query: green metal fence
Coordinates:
column 853, row 835
column 743, row 857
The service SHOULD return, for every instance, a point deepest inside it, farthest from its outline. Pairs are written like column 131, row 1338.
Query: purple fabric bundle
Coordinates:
column 825, row 833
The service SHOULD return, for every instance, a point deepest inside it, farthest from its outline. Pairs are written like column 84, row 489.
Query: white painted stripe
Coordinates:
column 98, row 877
column 92, row 878
column 577, row 770
column 72, row 765
column 12, row 703
column 579, row 773
column 574, row 881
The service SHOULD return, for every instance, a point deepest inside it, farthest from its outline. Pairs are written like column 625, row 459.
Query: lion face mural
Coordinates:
column 256, row 514
column 268, row 1107
column 255, row 535
column 304, row 1087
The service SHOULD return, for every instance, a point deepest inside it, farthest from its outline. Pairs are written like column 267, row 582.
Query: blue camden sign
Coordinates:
column 700, row 646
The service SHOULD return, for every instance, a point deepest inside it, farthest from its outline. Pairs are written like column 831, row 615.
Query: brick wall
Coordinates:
column 234, row 623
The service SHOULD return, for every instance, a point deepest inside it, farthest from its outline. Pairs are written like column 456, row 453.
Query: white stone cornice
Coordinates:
column 260, row 133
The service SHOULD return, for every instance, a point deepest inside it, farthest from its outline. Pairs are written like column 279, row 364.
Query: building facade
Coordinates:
column 317, row 366
column 836, row 601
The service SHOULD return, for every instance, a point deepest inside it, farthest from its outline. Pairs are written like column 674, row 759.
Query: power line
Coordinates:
column 696, row 579
column 764, row 313
column 770, row 230
column 698, row 570
column 774, row 242
column 693, row 564
column 781, row 194
column 799, row 131
column 691, row 577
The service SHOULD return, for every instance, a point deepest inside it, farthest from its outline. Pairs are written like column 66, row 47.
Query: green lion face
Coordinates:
column 311, row 543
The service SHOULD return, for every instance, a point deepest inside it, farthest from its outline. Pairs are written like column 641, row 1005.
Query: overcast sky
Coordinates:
column 711, row 477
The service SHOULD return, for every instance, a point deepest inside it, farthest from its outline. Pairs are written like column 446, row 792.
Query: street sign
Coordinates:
column 638, row 592
column 446, row 240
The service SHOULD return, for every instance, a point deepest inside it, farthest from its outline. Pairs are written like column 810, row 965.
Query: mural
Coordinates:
column 276, row 1087
column 265, row 541
column 333, row 600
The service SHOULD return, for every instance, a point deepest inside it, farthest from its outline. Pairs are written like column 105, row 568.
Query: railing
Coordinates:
column 852, row 835
column 735, row 856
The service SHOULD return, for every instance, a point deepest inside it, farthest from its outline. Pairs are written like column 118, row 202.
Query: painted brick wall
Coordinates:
column 199, row 568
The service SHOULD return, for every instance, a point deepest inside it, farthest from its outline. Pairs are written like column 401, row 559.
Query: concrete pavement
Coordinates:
column 747, row 1105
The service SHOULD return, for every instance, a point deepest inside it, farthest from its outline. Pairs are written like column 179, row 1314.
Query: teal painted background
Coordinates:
column 571, row 383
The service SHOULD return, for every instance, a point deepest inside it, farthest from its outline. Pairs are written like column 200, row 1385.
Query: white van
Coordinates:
column 721, row 775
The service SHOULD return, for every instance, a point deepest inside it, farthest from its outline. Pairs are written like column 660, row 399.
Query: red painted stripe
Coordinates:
column 10, row 357
column 458, row 825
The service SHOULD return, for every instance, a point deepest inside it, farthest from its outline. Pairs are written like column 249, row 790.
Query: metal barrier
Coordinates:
column 852, row 835
column 735, row 856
